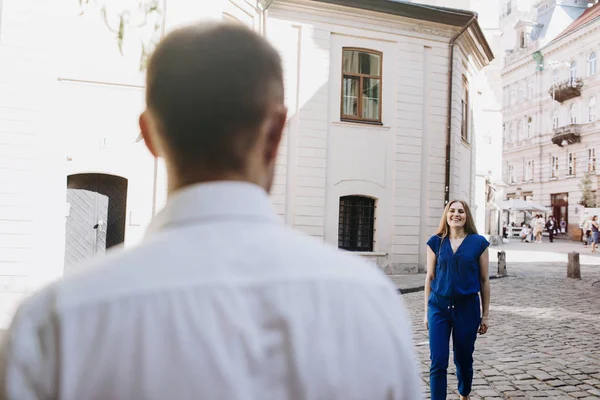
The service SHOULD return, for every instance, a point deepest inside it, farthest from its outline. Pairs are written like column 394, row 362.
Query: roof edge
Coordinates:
column 441, row 15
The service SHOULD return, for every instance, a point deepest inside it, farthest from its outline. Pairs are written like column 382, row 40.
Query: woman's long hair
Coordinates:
column 444, row 230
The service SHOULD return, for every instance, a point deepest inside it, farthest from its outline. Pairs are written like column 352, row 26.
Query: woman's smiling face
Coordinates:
column 457, row 216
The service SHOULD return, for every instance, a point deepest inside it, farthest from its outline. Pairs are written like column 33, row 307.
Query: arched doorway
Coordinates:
column 96, row 219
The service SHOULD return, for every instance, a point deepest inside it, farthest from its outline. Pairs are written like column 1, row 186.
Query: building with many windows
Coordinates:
column 379, row 132
column 551, row 89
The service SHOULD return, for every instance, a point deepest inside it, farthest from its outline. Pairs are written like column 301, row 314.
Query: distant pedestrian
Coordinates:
column 538, row 228
column 595, row 229
column 551, row 227
column 526, row 234
column 457, row 270
column 586, row 229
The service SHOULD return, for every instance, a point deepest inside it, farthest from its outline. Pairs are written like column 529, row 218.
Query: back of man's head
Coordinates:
column 209, row 89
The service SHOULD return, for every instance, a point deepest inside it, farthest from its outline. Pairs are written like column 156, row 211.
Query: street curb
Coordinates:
column 422, row 288
column 411, row 290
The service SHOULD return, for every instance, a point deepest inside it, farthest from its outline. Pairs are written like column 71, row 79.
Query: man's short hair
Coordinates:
column 209, row 86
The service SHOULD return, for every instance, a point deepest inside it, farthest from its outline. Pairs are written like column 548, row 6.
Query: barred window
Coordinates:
column 357, row 223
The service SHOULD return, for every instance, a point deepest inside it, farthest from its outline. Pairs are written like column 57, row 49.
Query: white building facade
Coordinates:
column 363, row 163
column 487, row 114
column 551, row 133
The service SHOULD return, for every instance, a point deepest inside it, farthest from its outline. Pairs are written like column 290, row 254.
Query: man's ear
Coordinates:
column 148, row 132
column 274, row 133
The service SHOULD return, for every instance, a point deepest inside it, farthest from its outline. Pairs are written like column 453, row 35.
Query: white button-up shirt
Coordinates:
column 220, row 301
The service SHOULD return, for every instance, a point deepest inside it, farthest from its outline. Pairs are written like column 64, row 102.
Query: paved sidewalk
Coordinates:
column 544, row 337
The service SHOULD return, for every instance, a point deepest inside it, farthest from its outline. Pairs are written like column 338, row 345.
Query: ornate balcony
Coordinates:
column 566, row 90
column 570, row 133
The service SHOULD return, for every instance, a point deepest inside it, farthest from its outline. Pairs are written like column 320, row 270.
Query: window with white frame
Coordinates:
column 573, row 70
column 592, row 64
column 522, row 90
column 520, row 130
column 555, row 76
column 511, row 174
column 591, row 160
column 513, row 132
column 529, row 127
column 592, row 109
column 572, row 161
column 531, row 88
column 555, row 119
column 513, row 94
column 573, row 113
column 553, row 167
column 529, row 171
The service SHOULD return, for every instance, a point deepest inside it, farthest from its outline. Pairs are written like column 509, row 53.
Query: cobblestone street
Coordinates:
column 544, row 337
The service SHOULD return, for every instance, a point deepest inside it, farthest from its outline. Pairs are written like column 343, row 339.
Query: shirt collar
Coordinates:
column 212, row 201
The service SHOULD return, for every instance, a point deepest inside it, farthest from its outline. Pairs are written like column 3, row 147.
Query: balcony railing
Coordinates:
column 570, row 133
column 566, row 90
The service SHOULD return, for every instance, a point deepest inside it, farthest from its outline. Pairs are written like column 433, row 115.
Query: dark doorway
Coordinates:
column 560, row 207
column 97, row 214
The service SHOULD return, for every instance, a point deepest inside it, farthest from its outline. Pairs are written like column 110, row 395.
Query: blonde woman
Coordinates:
column 457, row 271
column 539, row 229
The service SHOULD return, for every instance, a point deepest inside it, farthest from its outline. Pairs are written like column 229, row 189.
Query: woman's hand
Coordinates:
column 425, row 322
column 483, row 327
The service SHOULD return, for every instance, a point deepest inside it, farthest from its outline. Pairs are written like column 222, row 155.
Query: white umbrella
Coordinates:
column 518, row 205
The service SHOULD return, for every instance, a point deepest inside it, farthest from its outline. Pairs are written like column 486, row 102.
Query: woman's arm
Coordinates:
column 484, row 280
column 431, row 259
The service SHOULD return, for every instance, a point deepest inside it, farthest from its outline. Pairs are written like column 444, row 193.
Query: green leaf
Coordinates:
column 121, row 34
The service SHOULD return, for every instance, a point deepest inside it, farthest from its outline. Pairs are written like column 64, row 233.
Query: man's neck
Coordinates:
column 177, row 182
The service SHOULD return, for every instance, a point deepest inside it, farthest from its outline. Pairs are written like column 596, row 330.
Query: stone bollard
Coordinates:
column 502, row 263
column 573, row 269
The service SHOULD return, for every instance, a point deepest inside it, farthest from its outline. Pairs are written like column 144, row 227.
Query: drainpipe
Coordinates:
column 155, row 165
column 449, row 119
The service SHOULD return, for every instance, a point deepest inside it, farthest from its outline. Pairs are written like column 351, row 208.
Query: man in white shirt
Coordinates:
column 221, row 300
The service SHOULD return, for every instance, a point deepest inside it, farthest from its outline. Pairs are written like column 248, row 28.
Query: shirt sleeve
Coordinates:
column 408, row 372
column 434, row 243
column 484, row 245
column 28, row 356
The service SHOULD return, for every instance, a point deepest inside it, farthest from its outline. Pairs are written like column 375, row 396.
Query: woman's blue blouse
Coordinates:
column 457, row 274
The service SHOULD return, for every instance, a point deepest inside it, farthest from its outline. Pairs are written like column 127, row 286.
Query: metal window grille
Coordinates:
column 357, row 223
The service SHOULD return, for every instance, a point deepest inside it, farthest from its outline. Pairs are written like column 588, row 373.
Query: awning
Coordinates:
column 518, row 205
